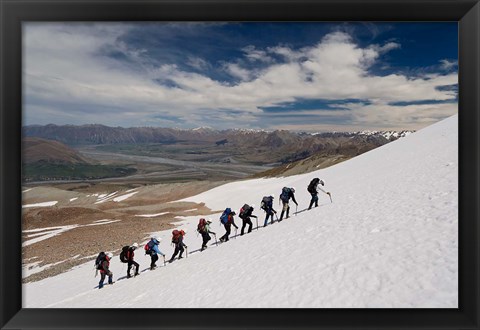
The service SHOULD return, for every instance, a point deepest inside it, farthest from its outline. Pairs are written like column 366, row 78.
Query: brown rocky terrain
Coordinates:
column 88, row 235
column 38, row 149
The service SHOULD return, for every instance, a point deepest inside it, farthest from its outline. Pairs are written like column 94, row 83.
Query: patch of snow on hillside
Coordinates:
column 44, row 204
column 105, row 198
column 101, row 223
column 42, row 234
column 124, row 197
column 152, row 215
column 46, row 233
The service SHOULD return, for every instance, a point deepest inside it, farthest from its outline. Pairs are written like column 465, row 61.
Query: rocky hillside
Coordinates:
column 42, row 150
column 46, row 160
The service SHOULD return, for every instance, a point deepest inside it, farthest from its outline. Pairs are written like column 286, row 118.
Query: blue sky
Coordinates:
column 296, row 76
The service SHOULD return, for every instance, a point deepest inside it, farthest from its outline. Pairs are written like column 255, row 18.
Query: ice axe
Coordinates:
column 329, row 195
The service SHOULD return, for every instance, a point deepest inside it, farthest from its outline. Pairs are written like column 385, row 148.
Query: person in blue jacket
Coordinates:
column 154, row 251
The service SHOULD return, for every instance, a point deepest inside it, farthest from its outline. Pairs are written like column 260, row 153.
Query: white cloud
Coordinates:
column 256, row 55
column 65, row 71
column 447, row 65
column 197, row 63
column 238, row 72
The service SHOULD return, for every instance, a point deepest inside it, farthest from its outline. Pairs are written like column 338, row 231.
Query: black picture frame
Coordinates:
column 14, row 12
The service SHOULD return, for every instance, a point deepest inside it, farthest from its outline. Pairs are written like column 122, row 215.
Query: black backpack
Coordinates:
column 100, row 259
column 312, row 187
column 285, row 196
column 266, row 202
column 123, row 254
column 244, row 210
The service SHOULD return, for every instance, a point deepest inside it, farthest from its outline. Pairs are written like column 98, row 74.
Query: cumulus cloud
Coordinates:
column 197, row 63
column 253, row 54
column 447, row 64
column 67, row 71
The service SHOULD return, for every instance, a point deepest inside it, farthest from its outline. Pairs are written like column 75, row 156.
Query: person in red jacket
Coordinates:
column 130, row 261
column 105, row 270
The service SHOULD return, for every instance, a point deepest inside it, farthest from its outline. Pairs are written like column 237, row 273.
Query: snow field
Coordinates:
column 389, row 239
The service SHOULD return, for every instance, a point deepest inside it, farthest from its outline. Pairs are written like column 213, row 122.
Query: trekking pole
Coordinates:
column 236, row 233
column 186, row 250
column 296, row 209
column 256, row 218
column 164, row 262
column 216, row 243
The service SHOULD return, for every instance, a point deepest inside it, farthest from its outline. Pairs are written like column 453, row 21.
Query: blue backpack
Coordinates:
column 224, row 216
column 285, row 196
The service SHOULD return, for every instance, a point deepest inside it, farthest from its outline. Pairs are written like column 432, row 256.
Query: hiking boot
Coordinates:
column 136, row 274
column 180, row 257
column 170, row 261
column 128, row 276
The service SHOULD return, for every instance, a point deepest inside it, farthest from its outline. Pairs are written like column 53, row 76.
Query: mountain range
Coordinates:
column 100, row 134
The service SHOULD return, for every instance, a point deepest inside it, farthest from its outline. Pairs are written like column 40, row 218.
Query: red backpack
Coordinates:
column 147, row 248
column 176, row 235
column 201, row 225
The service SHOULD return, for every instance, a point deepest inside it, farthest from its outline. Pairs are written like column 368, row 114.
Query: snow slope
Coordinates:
column 389, row 239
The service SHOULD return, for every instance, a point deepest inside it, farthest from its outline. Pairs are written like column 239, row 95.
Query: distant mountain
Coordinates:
column 100, row 134
column 257, row 147
column 46, row 160
column 48, row 151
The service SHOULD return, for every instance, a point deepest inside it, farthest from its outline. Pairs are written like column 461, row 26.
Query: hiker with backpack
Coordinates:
column 227, row 220
column 204, row 229
column 267, row 206
column 151, row 248
column 103, row 265
column 127, row 255
column 177, row 240
column 313, row 190
column 285, row 196
column 245, row 214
